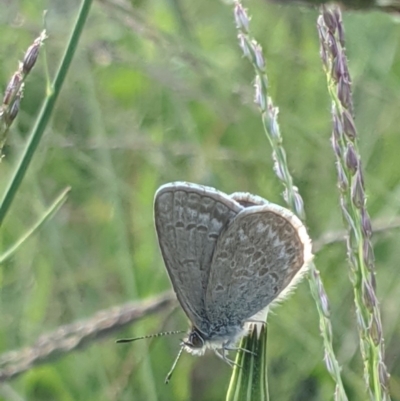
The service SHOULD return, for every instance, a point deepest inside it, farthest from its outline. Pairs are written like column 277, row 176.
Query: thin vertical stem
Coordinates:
column 353, row 202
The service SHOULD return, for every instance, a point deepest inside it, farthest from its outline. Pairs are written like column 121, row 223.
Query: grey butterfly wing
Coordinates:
column 255, row 259
column 189, row 219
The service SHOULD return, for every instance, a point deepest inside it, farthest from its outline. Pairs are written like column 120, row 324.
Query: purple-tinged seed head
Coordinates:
column 349, row 127
column 30, row 57
column 366, row 223
column 280, row 173
column 340, row 28
column 361, row 174
column 372, row 279
column 337, row 125
column 12, row 87
column 357, row 192
column 351, row 159
column 329, row 364
column 335, row 145
column 343, row 183
column 330, row 20
column 14, row 109
column 341, row 69
column 273, row 122
column 243, row 44
column 241, row 18
column 258, row 97
column 369, row 297
column 375, row 330
column 324, row 301
column 259, row 58
column 344, row 92
column 332, row 45
column 298, row 204
column 368, row 254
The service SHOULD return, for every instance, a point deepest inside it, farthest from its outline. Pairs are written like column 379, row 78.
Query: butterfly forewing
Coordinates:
column 255, row 259
column 189, row 219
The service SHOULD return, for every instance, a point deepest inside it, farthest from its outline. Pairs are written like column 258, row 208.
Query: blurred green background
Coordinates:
column 159, row 91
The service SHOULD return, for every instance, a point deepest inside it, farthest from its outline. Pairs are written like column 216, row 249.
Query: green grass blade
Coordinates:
column 249, row 379
column 46, row 216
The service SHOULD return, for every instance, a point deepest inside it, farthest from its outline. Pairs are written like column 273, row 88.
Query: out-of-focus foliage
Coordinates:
column 159, row 92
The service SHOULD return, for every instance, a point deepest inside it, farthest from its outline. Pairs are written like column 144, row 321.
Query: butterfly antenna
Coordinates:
column 165, row 333
column 168, row 378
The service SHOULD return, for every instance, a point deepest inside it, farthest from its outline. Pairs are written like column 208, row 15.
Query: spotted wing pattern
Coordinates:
column 189, row 220
column 255, row 259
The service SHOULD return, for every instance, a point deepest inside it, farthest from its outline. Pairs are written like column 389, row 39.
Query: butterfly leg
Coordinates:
column 243, row 350
column 231, row 347
column 224, row 357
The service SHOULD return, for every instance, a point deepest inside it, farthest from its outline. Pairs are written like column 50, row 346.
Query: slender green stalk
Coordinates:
column 353, row 203
column 269, row 114
column 46, row 216
column 46, row 111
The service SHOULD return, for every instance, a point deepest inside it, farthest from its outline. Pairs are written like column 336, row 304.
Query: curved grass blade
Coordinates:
column 46, row 216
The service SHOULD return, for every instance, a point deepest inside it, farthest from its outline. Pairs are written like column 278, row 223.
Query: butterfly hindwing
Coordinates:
column 255, row 259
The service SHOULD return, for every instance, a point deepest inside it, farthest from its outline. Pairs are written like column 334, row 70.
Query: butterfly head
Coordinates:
column 224, row 337
column 195, row 342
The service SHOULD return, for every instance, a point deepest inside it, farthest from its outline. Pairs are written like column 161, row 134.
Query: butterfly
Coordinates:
column 228, row 258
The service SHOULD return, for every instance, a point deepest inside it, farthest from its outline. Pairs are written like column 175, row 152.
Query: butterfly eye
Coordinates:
column 195, row 340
